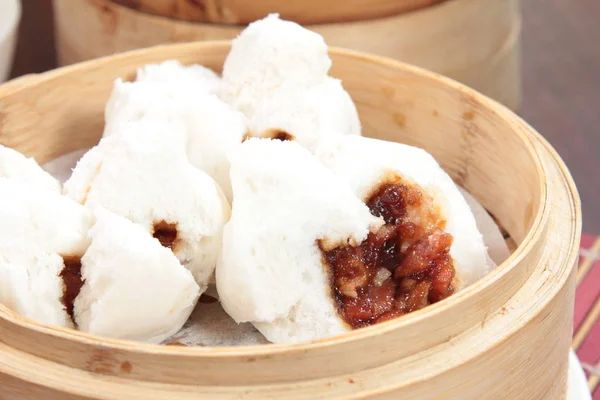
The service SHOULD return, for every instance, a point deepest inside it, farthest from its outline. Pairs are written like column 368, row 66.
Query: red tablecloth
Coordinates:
column 586, row 339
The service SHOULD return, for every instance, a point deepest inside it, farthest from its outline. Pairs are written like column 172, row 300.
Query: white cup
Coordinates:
column 10, row 15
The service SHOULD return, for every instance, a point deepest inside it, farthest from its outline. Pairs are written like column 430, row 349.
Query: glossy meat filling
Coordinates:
column 402, row 267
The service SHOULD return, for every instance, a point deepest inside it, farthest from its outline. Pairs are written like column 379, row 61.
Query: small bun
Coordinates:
column 134, row 288
column 165, row 84
column 268, row 53
column 215, row 130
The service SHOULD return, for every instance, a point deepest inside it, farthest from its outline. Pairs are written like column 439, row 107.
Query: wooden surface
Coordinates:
column 303, row 12
column 516, row 320
column 475, row 41
column 561, row 62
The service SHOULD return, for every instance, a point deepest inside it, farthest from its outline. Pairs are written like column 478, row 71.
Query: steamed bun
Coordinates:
column 364, row 163
column 132, row 101
column 277, row 75
column 14, row 165
column 30, row 284
column 206, row 126
column 144, row 176
column 134, row 288
column 270, row 271
column 195, row 78
column 267, row 54
column 39, row 230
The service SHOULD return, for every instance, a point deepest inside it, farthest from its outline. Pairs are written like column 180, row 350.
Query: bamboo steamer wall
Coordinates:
column 505, row 337
column 304, row 12
column 473, row 41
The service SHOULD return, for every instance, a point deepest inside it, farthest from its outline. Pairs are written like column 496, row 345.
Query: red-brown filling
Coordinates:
column 281, row 135
column 275, row 134
column 71, row 276
column 166, row 234
column 401, row 268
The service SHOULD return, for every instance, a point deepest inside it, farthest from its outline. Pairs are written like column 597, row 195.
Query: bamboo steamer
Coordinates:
column 305, row 12
column 473, row 41
column 505, row 337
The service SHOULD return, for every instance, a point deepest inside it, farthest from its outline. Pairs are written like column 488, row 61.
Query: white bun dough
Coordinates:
column 210, row 127
column 134, row 287
column 14, row 165
column 191, row 77
column 267, row 54
column 215, row 130
column 32, row 287
column 270, row 271
column 37, row 229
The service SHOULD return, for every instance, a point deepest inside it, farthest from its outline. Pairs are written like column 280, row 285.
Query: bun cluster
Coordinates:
column 258, row 179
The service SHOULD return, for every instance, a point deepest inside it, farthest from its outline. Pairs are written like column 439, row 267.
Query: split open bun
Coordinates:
column 306, row 115
column 69, row 265
column 270, row 271
column 143, row 175
column 267, row 54
column 303, row 253
column 277, row 75
column 366, row 163
column 134, row 288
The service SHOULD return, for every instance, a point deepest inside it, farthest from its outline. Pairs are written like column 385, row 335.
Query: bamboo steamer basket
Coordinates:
column 305, row 12
column 473, row 41
column 505, row 337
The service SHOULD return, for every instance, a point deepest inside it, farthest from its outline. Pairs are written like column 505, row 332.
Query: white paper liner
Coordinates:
column 62, row 167
column 209, row 324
